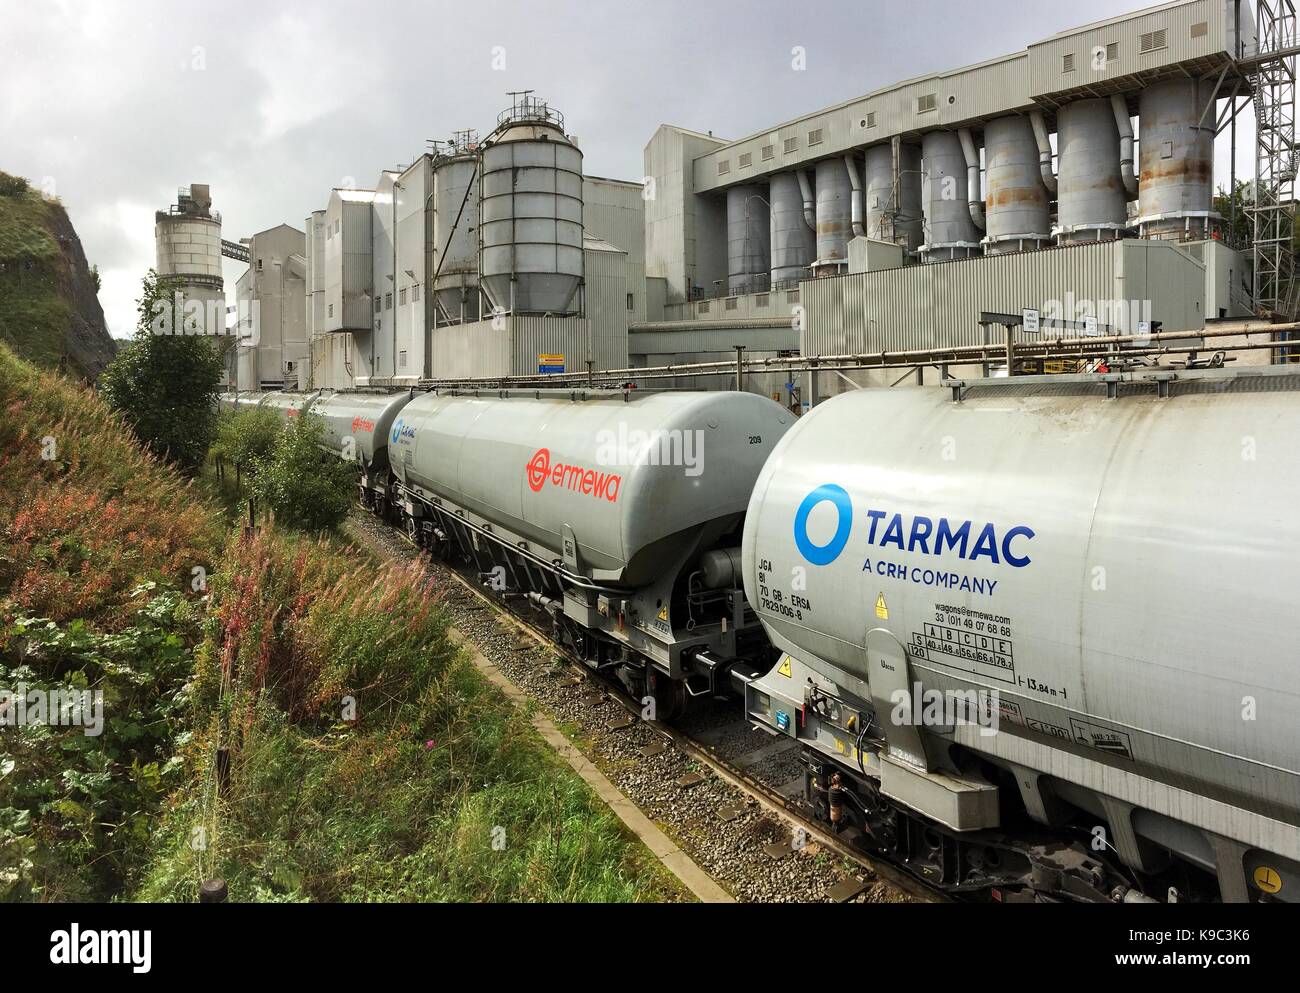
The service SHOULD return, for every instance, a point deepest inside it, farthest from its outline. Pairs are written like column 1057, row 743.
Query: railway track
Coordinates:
column 759, row 768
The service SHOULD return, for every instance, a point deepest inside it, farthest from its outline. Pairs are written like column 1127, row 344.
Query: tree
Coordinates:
column 306, row 486
column 1232, row 207
column 165, row 382
column 246, row 436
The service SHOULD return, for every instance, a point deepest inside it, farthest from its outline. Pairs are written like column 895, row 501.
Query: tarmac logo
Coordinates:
column 829, row 552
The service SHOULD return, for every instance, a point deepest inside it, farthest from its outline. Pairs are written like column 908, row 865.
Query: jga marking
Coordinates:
column 773, row 599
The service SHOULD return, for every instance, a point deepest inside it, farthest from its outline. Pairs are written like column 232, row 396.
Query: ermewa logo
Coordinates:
column 77, row 947
column 579, row 479
column 359, row 423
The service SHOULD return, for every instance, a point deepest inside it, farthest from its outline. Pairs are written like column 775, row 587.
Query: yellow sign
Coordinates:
column 663, row 612
column 882, row 611
column 784, row 667
column 1268, row 879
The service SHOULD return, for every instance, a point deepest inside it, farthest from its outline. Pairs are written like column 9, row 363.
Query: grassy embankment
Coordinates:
column 368, row 759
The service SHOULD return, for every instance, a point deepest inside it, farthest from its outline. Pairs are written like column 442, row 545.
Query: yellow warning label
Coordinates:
column 784, row 667
column 1267, row 879
column 882, row 611
column 839, row 746
column 663, row 612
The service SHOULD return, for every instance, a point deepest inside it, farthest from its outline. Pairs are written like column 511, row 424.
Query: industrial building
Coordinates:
column 1073, row 178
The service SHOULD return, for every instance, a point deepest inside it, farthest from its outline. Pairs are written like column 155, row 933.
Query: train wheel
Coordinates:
column 669, row 697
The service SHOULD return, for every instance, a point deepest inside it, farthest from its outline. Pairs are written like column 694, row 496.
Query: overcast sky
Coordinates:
column 113, row 105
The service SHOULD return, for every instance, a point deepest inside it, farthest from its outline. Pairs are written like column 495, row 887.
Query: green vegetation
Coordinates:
column 246, row 436
column 370, row 760
column 97, row 539
column 33, row 315
column 303, row 485
column 166, row 384
column 366, row 758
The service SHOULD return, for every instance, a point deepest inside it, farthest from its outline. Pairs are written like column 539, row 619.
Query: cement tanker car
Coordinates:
column 1049, row 603
column 1034, row 637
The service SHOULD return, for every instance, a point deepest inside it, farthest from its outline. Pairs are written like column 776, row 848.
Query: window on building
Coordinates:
column 331, row 310
column 401, row 359
column 259, row 265
column 338, row 226
column 630, row 305
column 415, row 293
column 401, row 297
column 378, row 304
column 388, row 301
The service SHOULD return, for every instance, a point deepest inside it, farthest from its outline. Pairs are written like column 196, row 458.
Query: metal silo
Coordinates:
column 886, row 221
column 794, row 244
column 1091, row 202
column 834, row 213
column 187, row 238
column 1015, row 206
column 455, row 229
column 749, row 247
column 1176, row 192
column 949, row 231
column 530, row 211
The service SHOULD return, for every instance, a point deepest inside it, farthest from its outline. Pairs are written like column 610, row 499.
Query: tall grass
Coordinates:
column 433, row 788
column 85, row 513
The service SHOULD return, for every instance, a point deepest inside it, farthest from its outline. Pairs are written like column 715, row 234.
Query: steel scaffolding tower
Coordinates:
column 1272, row 74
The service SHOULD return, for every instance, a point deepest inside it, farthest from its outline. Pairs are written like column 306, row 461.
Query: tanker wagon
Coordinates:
column 617, row 512
column 1054, row 608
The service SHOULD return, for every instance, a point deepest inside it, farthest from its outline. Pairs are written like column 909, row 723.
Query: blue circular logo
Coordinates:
column 397, row 431
column 829, row 552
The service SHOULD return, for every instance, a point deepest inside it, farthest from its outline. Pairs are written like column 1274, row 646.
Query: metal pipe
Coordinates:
column 809, row 201
column 1125, row 125
column 974, row 199
column 856, row 212
column 1044, row 150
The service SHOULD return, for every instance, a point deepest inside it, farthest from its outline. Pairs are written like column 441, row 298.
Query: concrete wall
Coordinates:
column 685, row 234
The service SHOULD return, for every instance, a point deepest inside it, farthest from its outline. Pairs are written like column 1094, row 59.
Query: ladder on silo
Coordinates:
column 1272, row 75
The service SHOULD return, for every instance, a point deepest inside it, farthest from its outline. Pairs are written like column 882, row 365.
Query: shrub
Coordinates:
column 166, row 385
column 246, row 436
column 304, row 485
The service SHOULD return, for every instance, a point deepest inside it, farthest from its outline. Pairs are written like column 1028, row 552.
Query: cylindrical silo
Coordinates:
column 531, row 212
column 455, row 233
column 187, row 239
column 1015, row 206
column 949, row 231
column 1176, row 186
column 749, row 246
column 1091, row 202
column 794, row 244
column 899, row 222
column 834, row 212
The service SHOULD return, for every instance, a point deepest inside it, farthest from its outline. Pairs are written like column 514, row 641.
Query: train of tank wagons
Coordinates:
column 1036, row 642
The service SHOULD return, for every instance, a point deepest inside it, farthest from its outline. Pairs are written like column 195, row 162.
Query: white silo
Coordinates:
column 1091, row 201
column 834, row 213
column 455, row 229
column 749, row 246
column 901, row 222
column 530, row 211
column 949, row 231
column 1176, row 191
column 1015, row 206
column 187, row 241
column 794, row 243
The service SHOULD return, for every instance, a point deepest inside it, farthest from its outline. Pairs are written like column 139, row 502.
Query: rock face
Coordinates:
column 49, row 310
column 89, row 346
